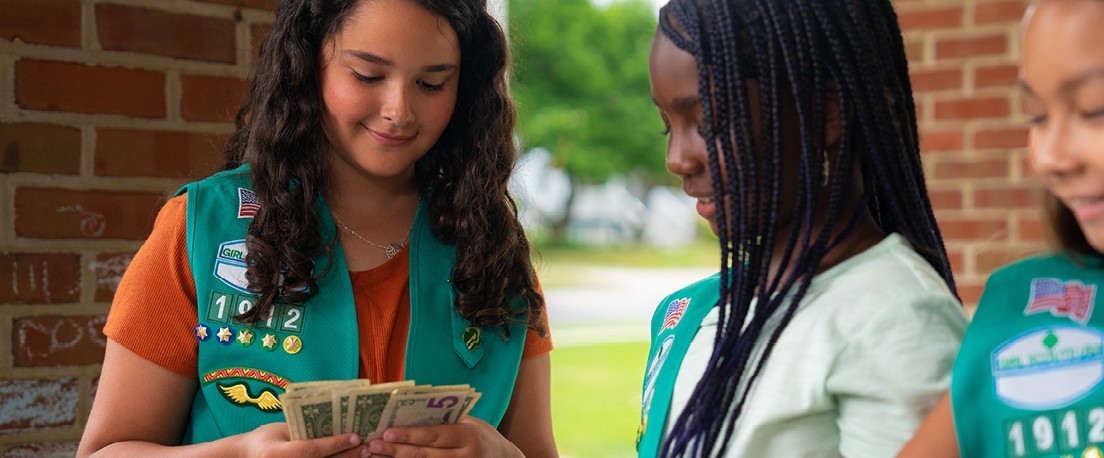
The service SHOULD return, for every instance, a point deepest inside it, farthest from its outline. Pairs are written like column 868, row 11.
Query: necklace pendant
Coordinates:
column 391, row 250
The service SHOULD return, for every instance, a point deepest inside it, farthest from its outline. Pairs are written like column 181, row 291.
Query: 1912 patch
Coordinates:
column 1048, row 368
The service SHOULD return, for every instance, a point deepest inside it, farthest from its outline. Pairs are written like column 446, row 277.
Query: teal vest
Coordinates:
column 1027, row 380
column 243, row 369
column 674, row 324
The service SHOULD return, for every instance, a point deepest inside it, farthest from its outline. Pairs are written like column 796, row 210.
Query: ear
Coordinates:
column 832, row 118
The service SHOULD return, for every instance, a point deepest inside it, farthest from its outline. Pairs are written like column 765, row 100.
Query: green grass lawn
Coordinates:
column 596, row 398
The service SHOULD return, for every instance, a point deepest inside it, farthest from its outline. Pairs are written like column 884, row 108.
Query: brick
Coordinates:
column 989, row 259
column 1008, row 197
column 36, row 404
column 73, row 87
column 40, row 148
column 210, row 98
column 934, row 141
column 108, row 269
column 1032, row 229
column 42, row 341
column 996, row 76
column 53, row 213
column 914, row 50
column 258, row 33
column 255, row 4
column 43, row 450
column 927, row 18
column 39, row 278
column 935, row 79
column 954, row 169
column 945, row 199
column 972, row 108
column 999, row 12
column 149, row 153
column 974, row 46
column 968, row 229
column 1001, row 138
column 47, row 22
column 970, row 293
column 148, row 31
column 957, row 259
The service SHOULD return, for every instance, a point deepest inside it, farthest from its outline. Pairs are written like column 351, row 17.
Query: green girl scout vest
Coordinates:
column 243, row 369
column 674, row 324
column 1028, row 379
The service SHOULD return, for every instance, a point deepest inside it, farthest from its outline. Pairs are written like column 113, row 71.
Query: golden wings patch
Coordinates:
column 239, row 396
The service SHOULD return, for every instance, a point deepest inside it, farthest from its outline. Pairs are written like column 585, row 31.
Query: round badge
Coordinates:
column 1092, row 452
column 472, row 338
column 269, row 342
column 292, row 345
column 245, row 337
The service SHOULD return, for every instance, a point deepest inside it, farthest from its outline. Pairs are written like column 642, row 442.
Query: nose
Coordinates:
column 1053, row 148
column 396, row 107
column 685, row 157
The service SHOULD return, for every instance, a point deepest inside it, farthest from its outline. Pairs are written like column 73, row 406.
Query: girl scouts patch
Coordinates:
column 1048, row 368
column 675, row 310
column 230, row 264
column 248, row 203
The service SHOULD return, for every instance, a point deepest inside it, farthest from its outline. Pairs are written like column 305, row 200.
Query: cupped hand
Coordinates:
column 471, row 437
column 274, row 441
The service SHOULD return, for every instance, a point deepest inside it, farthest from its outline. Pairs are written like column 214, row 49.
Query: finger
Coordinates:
column 355, row 452
column 427, row 436
column 326, row 446
column 397, row 450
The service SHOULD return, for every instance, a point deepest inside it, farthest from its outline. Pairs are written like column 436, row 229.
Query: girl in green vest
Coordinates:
column 831, row 326
column 362, row 229
column 1029, row 380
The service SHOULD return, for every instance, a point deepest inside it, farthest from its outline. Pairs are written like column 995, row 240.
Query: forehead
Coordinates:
column 400, row 29
column 1062, row 39
column 674, row 72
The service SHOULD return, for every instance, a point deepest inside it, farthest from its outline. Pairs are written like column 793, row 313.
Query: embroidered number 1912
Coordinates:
column 1037, row 435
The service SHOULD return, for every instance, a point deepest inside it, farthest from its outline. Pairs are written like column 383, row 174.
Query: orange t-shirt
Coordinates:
column 147, row 316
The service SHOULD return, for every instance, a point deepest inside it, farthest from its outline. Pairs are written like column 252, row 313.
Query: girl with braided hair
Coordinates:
column 1029, row 379
column 832, row 325
column 362, row 229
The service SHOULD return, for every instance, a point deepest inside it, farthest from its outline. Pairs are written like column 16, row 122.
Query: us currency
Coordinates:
column 424, row 408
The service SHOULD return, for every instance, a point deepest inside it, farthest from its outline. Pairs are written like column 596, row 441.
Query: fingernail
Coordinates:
column 375, row 447
column 389, row 436
column 364, row 453
column 354, row 439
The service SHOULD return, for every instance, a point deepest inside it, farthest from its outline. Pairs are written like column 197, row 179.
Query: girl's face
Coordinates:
column 674, row 77
column 389, row 82
column 1062, row 76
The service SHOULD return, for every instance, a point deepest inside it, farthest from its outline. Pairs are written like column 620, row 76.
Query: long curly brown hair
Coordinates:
column 279, row 133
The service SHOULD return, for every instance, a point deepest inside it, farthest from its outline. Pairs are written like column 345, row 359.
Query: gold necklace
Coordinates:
column 390, row 249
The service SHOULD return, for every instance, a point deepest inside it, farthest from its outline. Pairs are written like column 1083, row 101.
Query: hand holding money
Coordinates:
column 320, row 409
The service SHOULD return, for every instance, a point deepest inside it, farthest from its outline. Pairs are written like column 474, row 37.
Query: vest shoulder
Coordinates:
column 1050, row 264
column 710, row 284
column 239, row 177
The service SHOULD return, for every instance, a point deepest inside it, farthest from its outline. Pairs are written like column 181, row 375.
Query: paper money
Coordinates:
column 320, row 409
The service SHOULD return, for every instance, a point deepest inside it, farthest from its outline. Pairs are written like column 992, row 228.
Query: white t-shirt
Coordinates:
column 868, row 354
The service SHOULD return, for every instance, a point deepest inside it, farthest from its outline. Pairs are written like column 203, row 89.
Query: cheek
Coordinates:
column 437, row 113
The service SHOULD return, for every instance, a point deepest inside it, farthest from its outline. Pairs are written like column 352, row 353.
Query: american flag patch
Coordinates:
column 1069, row 299
column 675, row 310
column 247, row 203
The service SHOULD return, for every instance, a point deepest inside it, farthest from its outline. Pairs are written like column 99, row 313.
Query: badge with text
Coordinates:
column 1048, row 368
column 230, row 264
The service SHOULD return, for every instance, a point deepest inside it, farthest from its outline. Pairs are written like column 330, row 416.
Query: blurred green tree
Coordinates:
column 581, row 85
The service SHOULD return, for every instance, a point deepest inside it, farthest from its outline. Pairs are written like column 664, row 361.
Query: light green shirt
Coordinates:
column 855, row 372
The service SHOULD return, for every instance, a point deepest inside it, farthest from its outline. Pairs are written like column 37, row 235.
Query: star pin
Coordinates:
column 292, row 345
column 201, row 332
column 268, row 342
column 225, row 334
column 245, row 337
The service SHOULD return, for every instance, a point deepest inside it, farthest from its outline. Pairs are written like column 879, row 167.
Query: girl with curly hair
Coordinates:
column 362, row 229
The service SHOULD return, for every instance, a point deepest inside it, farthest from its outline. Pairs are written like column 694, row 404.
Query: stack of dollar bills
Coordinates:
column 327, row 408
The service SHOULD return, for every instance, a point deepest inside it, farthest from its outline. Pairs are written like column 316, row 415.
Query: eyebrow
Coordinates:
column 374, row 59
column 1071, row 84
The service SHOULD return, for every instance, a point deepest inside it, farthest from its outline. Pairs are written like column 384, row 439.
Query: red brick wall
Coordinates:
column 963, row 56
column 106, row 106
